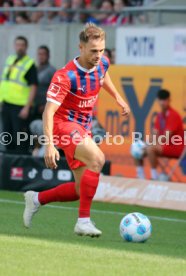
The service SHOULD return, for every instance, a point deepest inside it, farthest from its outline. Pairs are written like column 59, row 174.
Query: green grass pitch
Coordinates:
column 51, row 248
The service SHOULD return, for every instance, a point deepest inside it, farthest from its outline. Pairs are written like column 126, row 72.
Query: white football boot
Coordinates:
column 30, row 208
column 86, row 228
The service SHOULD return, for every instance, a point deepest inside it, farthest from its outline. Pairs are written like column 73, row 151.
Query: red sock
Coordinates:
column 88, row 186
column 63, row 192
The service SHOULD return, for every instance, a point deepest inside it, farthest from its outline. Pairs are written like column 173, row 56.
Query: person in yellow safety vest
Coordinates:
column 18, row 86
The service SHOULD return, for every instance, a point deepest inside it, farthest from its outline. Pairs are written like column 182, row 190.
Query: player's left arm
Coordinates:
column 111, row 89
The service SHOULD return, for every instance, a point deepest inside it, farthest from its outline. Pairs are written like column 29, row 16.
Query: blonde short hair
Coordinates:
column 91, row 32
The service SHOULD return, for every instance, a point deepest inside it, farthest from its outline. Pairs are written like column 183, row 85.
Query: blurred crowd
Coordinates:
column 112, row 7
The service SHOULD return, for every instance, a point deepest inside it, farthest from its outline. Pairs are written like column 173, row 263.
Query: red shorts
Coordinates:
column 172, row 150
column 67, row 135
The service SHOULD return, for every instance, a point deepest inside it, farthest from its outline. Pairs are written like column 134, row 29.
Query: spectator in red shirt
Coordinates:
column 168, row 122
column 5, row 16
column 105, row 18
column 119, row 5
column 112, row 18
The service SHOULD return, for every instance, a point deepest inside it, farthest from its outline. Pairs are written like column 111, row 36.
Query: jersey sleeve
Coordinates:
column 59, row 88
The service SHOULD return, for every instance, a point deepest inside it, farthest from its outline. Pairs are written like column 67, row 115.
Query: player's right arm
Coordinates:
column 51, row 153
column 56, row 94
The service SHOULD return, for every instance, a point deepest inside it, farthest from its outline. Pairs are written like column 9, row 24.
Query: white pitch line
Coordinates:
column 93, row 210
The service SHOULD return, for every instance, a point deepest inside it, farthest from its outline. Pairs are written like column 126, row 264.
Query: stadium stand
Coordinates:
column 111, row 17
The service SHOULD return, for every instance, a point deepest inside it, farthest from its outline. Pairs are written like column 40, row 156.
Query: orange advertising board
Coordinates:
column 138, row 86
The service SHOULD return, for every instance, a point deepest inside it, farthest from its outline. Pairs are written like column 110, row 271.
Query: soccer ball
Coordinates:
column 138, row 149
column 135, row 227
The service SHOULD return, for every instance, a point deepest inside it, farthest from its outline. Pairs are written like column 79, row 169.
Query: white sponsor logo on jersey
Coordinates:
column 88, row 103
column 54, row 89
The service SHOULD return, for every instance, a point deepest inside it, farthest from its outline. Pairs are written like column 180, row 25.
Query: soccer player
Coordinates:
column 168, row 122
column 71, row 97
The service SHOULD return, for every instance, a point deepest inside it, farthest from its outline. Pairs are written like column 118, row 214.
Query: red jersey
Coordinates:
column 171, row 121
column 75, row 89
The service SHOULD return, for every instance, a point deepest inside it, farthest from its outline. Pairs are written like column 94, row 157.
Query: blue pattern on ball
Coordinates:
column 127, row 222
column 141, row 229
column 128, row 237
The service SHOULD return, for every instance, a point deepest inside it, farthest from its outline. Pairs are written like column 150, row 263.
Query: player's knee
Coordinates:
column 97, row 162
